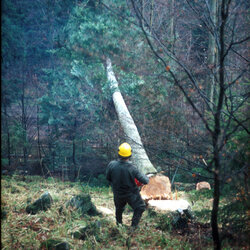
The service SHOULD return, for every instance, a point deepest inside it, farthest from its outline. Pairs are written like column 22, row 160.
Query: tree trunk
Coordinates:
column 214, row 215
column 74, row 151
column 212, row 51
column 139, row 158
column 151, row 16
column 8, row 135
column 74, row 158
column 38, row 140
column 51, row 151
column 172, row 31
column 217, row 128
column 24, row 125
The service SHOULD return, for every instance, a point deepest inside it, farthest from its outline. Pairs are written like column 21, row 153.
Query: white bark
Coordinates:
column 212, row 52
column 139, row 155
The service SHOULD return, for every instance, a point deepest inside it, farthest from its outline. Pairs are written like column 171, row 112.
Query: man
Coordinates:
column 122, row 174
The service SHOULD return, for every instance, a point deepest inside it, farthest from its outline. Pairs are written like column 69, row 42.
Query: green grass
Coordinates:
column 24, row 231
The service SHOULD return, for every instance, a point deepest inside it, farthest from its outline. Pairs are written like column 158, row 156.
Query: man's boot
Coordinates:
column 118, row 217
column 137, row 216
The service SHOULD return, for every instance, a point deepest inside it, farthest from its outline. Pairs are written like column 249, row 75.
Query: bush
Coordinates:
column 4, row 161
column 199, row 195
column 100, row 181
column 234, row 216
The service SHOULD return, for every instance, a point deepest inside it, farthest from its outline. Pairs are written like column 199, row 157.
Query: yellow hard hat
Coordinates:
column 125, row 150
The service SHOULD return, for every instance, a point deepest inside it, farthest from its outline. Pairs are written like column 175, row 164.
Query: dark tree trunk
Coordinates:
column 8, row 135
column 8, row 145
column 51, row 151
column 24, row 124
column 74, row 152
column 217, row 129
column 214, row 215
column 38, row 141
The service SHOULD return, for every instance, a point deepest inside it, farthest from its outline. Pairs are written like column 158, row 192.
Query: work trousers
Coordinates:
column 135, row 201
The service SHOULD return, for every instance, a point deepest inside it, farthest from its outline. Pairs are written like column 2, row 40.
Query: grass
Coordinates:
column 24, row 231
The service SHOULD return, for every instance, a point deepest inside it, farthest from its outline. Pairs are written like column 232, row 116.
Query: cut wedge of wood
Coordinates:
column 158, row 188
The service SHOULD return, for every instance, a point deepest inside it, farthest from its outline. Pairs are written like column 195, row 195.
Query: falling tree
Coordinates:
column 140, row 157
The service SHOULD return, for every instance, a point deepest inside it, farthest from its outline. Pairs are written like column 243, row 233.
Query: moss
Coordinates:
column 3, row 214
column 83, row 204
column 55, row 244
column 92, row 229
column 42, row 204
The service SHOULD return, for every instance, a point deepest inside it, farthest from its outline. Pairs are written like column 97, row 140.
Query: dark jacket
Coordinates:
column 121, row 174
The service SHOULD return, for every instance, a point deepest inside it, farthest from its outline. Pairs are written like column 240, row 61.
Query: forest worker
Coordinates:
column 122, row 174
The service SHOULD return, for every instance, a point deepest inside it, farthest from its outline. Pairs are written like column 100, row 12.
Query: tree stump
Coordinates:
column 83, row 204
column 42, row 204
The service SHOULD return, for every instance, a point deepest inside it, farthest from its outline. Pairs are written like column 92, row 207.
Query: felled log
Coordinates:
column 158, row 188
column 140, row 158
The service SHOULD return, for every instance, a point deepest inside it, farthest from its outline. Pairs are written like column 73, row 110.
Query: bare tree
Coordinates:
column 199, row 23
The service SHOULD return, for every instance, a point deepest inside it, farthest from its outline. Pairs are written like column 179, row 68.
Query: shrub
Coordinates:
column 234, row 216
column 100, row 181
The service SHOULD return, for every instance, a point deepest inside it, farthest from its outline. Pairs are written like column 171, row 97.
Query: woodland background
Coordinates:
column 57, row 111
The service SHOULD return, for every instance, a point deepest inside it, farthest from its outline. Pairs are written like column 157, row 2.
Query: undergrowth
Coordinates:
column 20, row 230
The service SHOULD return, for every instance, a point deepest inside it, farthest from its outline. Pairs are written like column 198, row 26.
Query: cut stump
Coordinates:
column 157, row 194
column 169, row 205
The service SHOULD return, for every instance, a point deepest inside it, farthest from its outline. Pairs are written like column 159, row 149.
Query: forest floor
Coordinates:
column 20, row 230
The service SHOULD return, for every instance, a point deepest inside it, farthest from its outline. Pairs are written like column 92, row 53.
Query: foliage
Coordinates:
column 200, row 195
column 234, row 216
column 100, row 181
column 4, row 161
